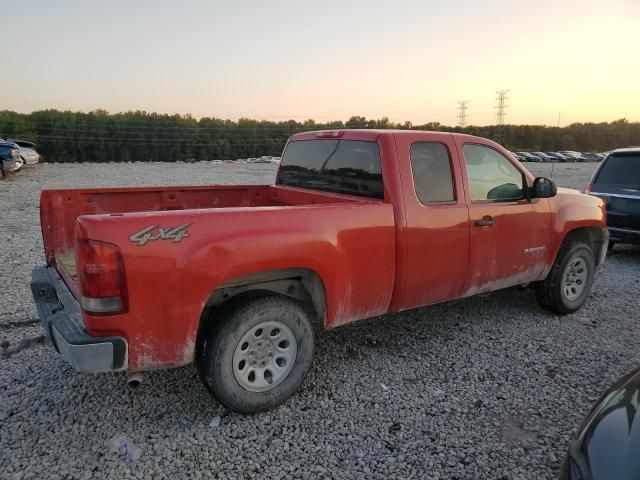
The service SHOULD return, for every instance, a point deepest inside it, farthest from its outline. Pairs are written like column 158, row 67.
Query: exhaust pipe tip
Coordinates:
column 134, row 380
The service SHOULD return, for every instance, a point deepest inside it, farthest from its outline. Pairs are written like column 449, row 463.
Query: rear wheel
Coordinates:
column 257, row 353
column 567, row 286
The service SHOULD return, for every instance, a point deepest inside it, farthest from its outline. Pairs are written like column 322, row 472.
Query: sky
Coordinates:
column 561, row 60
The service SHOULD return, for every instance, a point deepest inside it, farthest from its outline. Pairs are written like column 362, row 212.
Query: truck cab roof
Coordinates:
column 374, row 134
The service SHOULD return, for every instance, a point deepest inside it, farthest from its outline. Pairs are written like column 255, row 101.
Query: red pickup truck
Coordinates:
column 359, row 223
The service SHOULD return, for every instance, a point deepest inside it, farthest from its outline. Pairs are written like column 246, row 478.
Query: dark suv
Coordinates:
column 9, row 158
column 617, row 182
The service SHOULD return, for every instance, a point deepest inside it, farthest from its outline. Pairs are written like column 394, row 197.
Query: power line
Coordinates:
column 163, row 143
column 219, row 121
column 462, row 113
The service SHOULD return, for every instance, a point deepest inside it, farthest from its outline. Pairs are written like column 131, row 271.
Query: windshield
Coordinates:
column 621, row 169
column 340, row 166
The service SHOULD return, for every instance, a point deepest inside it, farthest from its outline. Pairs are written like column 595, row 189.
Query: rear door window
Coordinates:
column 432, row 176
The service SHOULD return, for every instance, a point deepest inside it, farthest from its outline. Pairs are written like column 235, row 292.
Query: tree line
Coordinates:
column 99, row 136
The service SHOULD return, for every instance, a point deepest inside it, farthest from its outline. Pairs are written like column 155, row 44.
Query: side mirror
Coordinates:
column 543, row 188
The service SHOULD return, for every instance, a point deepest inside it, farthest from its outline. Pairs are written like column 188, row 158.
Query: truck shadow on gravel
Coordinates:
column 471, row 377
column 428, row 335
column 487, row 326
column 416, row 335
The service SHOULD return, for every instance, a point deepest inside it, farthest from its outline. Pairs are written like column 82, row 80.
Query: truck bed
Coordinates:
column 59, row 209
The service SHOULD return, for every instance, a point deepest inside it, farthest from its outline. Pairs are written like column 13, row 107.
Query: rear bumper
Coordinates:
column 624, row 235
column 61, row 319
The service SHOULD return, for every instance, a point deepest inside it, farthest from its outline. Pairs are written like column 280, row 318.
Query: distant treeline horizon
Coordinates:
column 100, row 136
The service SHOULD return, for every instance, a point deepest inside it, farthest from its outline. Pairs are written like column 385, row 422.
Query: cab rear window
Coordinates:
column 341, row 166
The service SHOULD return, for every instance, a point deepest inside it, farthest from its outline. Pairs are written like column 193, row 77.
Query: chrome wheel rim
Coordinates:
column 264, row 356
column 574, row 279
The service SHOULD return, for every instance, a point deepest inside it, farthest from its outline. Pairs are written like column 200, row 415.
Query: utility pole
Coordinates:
column 501, row 108
column 462, row 113
column 559, row 118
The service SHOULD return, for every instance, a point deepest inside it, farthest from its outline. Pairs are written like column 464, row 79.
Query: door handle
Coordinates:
column 485, row 222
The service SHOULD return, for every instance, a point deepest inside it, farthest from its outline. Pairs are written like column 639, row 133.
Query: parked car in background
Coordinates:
column 9, row 158
column 529, row 157
column 545, row 157
column 576, row 156
column 606, row 445
column 28, row 153
column 593, row 157
column 519, row 157
column 617, row 182
column 560, row 157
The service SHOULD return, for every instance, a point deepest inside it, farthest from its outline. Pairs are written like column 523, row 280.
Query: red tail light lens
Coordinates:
column 101, row 277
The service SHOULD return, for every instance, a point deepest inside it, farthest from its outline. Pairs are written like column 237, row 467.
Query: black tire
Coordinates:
column 215, row 360
column 550, row 292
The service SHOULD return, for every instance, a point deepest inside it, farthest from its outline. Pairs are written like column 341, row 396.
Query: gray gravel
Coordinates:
column 486, row 387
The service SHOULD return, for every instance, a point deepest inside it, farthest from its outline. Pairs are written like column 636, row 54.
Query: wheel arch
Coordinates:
column 594, row 236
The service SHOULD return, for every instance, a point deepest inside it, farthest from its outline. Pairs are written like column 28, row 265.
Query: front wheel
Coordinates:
column 257, row 353
column 567, row 286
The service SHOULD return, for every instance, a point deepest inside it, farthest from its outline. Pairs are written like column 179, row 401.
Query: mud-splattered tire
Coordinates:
column 568, row 285
column 257, row 353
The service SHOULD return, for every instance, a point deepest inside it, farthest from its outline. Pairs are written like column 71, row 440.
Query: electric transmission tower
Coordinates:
column 462, row 113
column 501, row 108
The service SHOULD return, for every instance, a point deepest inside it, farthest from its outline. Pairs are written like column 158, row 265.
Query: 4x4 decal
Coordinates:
column 156, row 232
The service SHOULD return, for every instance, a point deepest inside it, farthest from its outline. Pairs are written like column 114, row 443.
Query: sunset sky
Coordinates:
column 408, row 60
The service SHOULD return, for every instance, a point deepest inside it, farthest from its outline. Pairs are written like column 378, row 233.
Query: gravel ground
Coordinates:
column 486, row 387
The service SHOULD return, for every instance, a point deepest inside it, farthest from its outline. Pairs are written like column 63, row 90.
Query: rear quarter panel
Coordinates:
column 351, row 247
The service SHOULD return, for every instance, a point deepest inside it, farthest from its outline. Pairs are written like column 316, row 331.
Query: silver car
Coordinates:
column 28, row 152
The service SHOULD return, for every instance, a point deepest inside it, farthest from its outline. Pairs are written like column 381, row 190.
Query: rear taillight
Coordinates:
column 587, row 189
column 101, row 277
